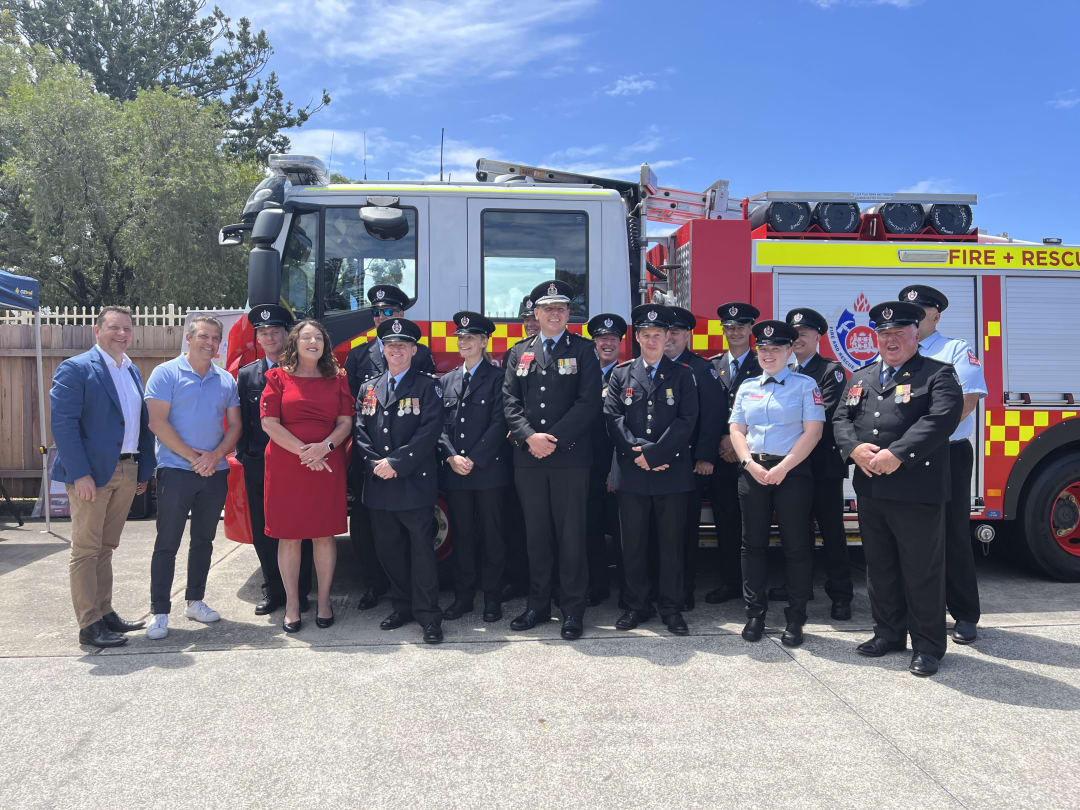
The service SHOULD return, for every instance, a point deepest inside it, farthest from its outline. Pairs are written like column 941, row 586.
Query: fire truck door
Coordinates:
column 845, row 298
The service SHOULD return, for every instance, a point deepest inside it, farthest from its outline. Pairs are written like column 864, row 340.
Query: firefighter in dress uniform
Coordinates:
column 651, row 408
column 776, row 420
column 961, row 583
column 552, row 400
column 733, row 367
column 475, row 470
column 894, row 423
column 704, row 441
column 399, row 421
column 607, row 331
column 366, row 362
column 271, row 323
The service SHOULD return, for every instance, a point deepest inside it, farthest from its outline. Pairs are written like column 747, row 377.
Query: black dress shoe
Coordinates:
column 676, row 625
column 118, row 625
column 721, row 594
column 291, row 627
column 394, row 621
column 923, row 664
column 433, row 633
column 878, row 646
column 458, row 609
column 571, row 628
column 841, row 610
column 688, row 602
column 267, row 605
column 962, row 632
column 98, row 635
column 324, row 623
column 597, row 598
column 368, row 600
column 631, row 619
column 492, row 610
column 753, row 629
column 792, row 635
column 529, row 619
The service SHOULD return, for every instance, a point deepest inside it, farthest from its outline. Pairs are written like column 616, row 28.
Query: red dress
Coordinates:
column 300, row 502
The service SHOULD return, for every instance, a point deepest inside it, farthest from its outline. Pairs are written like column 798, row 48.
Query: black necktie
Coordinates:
column 886, row 375
column 797, row 369
column 734, row 368
column 465, row 378
column 391, row 385
column 549, row 347
column 649, row 370
column 774, row 380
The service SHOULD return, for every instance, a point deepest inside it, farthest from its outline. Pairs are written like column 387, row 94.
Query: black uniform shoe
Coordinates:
column 529, row 619
column 792, row 635
column 597, row 598
column 878, row 646
column 98, row 635
column 291, row 627
column 394, row 621
column 923, row 664
column 631, row 619
column 721, row 594
column 458, row 609
column 571, row 628
column 841, row 610
column 676, row 624
column 513, row 590
column 492, row 610
column 433, row 633
column 962, row 632
column 754, row 628
column 368, row 599
column 266, row 606
column 688, row 602
column 118, row 625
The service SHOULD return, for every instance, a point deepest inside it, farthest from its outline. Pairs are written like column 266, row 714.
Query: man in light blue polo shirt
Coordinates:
column 189, row 400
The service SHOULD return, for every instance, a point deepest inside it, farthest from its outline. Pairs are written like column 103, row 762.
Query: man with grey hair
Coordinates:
column 189, row 400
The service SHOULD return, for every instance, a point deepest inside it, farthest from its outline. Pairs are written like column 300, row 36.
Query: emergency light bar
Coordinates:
column 301, row 170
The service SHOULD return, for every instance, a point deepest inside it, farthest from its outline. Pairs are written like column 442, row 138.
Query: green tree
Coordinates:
column 127, row 46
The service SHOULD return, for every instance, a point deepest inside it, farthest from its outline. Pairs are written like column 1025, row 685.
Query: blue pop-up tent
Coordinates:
column 21, row 292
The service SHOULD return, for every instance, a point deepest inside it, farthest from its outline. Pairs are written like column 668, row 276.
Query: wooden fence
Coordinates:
column 20, row 462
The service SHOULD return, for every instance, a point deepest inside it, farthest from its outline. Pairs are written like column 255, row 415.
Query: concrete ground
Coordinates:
column 237, row 715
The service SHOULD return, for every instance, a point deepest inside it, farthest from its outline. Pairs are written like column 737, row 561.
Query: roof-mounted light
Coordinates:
column 301, row 170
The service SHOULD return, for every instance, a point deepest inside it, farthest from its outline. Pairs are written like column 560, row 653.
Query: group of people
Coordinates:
column 539, row 456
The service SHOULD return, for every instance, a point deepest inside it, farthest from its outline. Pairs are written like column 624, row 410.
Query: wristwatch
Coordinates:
column 331, row 446
column 745, row 462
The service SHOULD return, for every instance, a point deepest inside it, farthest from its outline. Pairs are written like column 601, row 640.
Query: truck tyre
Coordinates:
column 1051, row 518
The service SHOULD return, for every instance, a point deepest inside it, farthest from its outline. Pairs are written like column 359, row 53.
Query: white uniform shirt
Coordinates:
column 130, row 401
column 968, row 369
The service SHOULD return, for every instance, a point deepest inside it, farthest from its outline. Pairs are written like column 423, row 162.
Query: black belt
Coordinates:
column 767, row 459
column 129, row 456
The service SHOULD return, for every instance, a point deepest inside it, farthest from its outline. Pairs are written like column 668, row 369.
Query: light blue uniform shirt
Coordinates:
column 774, row 413
column 968, row 369
column 197, row 406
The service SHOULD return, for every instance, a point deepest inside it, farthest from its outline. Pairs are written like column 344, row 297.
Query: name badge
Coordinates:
column 524, row 363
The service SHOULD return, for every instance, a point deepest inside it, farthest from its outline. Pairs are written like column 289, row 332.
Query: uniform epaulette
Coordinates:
column 624, row 363
column 248, row 365
column 522, row 340
column 716, row 356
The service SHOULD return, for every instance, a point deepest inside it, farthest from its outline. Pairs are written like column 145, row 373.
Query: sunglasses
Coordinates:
column 387, row 312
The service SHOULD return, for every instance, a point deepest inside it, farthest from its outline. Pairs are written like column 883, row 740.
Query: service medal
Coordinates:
column 629, row 395
column 670, row 397
column 899, row 397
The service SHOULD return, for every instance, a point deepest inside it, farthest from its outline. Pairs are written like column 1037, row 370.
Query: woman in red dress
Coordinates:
column 307, row 412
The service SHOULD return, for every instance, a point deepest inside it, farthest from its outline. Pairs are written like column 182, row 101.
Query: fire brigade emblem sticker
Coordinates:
column 853, row 341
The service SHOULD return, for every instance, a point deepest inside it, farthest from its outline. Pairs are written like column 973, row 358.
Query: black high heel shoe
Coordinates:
column 291, row 627
column 324, row 623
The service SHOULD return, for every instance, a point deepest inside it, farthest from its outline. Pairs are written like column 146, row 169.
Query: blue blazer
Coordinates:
column 88, row 423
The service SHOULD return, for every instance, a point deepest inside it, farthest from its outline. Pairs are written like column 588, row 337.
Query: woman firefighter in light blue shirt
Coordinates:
column 776, row 421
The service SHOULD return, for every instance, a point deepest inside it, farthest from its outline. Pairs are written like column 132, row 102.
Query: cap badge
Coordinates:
column 887, row 314
column 733, row 311
column 651, row 315
column 528, row 303
column 796, row 317
column 608, row 322
column 465, row 320
column 396, row 327
column 380, row 293
column 552, row 289
column 265, row 314
column 912, row 295
column 767, row 331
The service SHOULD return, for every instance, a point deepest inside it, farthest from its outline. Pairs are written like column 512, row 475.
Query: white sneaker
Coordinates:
column 201, row 612
column 159, row 627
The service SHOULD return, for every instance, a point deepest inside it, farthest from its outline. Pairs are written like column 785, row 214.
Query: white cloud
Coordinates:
column 622, row 172
column 496, row 118
column 1065, row 100
column 633, row 85
column 930, row 186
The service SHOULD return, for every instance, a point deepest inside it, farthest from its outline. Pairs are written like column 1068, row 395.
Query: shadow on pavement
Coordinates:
column 15, row 556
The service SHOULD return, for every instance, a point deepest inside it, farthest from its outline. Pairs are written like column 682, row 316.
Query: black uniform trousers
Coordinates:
column 516, row 570
column 727, row 515
column 596, row 528
column 362, row 536
column 905, row 570
column 828, row 511
column 791, row 501
column 553, row 501
column 961, row 583
column 667, row 513
column 692, row 533
column 476, row 529
column 405, row 541
column 266, row 547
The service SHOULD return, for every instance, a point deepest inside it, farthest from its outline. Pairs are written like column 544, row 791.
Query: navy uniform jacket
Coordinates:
column 602, row 447
column 663, row 429
column 749, row 368
column 825, row 458
column 916, row 431
column 366, row 362
column 713, row 407
column 542, row 400
column 250, row 382
column 406, row 438
column 474, row 426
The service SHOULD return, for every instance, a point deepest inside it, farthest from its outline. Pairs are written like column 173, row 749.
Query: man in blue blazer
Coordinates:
column 105, row 456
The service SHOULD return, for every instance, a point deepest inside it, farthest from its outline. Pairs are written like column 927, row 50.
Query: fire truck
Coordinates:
column 318, row 247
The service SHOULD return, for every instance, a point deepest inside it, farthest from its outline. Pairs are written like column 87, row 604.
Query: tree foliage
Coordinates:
column 126, row 46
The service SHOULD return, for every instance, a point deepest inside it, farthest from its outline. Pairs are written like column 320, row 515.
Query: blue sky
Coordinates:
column 829, row 95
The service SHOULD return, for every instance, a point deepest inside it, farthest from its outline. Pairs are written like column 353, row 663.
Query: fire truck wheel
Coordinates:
column 443, row 544
column 1051, row 518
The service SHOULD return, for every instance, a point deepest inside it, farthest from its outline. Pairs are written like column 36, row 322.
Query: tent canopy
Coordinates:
column 18, row 292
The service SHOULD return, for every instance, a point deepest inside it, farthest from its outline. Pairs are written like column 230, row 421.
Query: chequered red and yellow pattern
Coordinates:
column 1008, row 431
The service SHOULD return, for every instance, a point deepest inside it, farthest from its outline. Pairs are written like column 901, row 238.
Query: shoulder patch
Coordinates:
column 839, row 375
column 972, row 359
column 818, row 399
